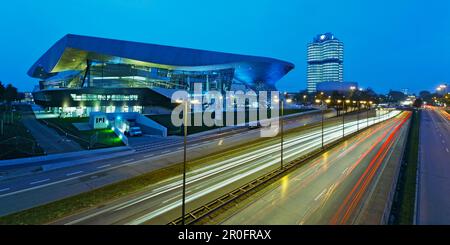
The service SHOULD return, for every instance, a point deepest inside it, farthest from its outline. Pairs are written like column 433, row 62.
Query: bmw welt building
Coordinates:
column 80, row 74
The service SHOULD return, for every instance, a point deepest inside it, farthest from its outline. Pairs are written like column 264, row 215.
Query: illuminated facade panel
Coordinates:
column 325, row 61
column 89, row 72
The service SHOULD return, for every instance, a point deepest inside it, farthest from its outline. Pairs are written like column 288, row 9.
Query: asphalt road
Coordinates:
column 47, row 138
column 434, row 169
column 160, row 203
column 331, row 189
column 101, row 167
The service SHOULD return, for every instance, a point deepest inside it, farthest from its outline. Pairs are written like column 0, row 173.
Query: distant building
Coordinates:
column 325, row 61
column 343, row 87
column 405, row 91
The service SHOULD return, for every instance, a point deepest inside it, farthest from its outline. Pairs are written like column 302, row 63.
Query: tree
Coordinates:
column 396, row 96
column 418, row 103
column 11, row 93
column 426, row 96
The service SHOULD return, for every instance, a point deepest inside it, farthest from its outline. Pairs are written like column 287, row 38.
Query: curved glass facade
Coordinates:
column 89, row 74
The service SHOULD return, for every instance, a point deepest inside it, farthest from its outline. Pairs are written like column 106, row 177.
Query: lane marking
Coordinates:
column 171, row 199
column 104, row 166
column 39, row 181
column 76, row 177
column 150, row 155
column 345, row 171
column 446, row 149
column 320, row 195
column 128, row 160
column 165, row 152
column 5, row 189
column 74, row 173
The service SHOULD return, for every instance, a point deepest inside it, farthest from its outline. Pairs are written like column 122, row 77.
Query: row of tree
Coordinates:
column 393, row 97
column 8, row 93
column 355, row 95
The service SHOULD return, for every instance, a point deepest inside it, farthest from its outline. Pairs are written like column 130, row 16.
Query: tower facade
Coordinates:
column 325, row 61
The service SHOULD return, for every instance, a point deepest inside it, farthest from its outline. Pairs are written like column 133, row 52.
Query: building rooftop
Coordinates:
column 72, row 51
column 320, row 38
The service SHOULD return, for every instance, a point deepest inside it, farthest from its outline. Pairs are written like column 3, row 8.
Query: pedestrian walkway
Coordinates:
column 47, row 138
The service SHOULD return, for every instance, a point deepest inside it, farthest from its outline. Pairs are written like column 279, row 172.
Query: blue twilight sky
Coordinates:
column 388, row 43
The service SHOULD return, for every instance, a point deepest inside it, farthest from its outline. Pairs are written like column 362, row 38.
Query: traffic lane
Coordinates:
column 147, row 210
column 434, row 176
column 83, row 177
column 350, row 209
column 87, row 181
column 148, row 204
column 299, row 195
column 45, row 187
column 13, row 185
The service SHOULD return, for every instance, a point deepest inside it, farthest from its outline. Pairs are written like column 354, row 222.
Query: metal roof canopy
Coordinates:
column 72, row 51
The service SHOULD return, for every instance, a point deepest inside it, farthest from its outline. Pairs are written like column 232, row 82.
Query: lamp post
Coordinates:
column 328, row 101
column 342, row 112
column 319, row 101
column 367, row 112
column 282, row 130
column 358, row 104
column 183, row 206
column 185, row 126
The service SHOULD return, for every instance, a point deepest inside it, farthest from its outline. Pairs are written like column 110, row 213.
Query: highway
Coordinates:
column 433, row 201
column 31, row 186
column 331, row 189
column 160, row 203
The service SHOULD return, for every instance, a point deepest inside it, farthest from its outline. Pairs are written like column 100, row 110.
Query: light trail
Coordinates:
column 222, row 174
column 354, row 197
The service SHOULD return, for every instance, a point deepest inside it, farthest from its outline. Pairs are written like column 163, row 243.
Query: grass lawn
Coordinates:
column 105, row 137
column 165, row 120
column 16, row 141
column 404, row 202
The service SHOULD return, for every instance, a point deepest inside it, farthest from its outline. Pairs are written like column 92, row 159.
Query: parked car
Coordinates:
column 134, row 132
column 258, row 125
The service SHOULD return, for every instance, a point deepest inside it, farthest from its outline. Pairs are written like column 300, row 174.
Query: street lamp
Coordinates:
column 183, row 205
column 282, row 128
column 358, row 104
column 343, row 117
column 185, row 126
column 367, row 117
column 322, row 112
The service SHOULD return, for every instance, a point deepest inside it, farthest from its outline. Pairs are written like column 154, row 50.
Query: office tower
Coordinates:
column 325, row 61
